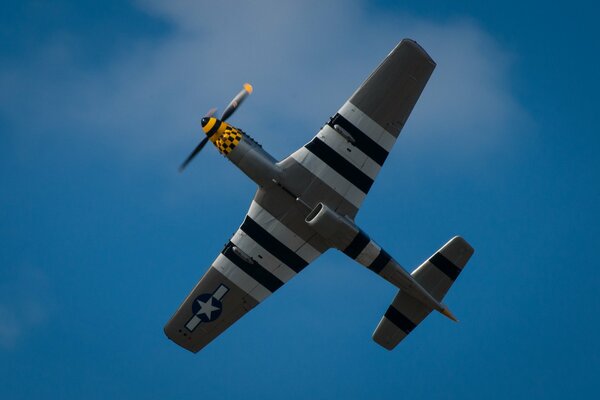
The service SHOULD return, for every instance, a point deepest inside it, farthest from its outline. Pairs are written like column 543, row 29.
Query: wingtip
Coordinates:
column 413, row 43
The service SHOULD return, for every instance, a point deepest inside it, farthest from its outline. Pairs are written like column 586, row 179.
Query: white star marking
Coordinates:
column 206, row 308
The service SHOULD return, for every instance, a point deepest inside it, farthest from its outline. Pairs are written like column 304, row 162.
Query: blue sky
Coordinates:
column 102, row 238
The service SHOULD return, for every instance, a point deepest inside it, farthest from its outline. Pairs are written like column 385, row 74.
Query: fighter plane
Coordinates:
column 306, row 204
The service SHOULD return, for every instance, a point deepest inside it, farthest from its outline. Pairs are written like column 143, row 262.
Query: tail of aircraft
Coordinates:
column 420, row 292
column 435, row 275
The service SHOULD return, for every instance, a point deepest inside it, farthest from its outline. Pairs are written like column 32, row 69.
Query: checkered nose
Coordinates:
column 227, row 138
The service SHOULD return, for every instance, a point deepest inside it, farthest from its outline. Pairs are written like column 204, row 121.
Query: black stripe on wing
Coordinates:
column 254, row 269
column 363, row 142
column 340, row 165
column 273, row 245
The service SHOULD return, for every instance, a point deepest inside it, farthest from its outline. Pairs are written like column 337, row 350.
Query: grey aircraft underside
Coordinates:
column 306, row 204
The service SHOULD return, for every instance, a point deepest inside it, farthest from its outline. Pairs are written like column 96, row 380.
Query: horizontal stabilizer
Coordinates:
column 435, row 275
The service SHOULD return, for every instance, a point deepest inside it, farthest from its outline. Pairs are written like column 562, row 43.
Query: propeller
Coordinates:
column 236, row 102
column 229, row 110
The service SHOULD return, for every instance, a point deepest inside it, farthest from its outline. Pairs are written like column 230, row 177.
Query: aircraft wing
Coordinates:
column 265, row 252
column 339, row 165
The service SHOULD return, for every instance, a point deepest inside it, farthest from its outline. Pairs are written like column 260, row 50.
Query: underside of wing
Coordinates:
column 339, row 166
column 271, row 246
column 212, row 306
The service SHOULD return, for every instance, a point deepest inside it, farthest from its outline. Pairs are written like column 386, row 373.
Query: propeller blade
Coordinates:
column 237, row 100
column 211, row 112
column 193, row 153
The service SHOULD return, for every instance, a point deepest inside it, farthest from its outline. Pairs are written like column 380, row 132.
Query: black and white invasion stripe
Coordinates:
column 367, row 253
column 401, row 321
column 268, row 254
column 445, row 265
column 347, row 153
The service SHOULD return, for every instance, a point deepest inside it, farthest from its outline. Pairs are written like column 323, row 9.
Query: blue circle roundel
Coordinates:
column 207, row 308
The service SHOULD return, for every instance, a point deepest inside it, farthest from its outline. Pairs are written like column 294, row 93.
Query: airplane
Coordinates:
column 306, row 203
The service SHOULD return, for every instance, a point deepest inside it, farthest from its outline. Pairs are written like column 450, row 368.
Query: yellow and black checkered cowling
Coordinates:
column 228, row 139
column 224, row 136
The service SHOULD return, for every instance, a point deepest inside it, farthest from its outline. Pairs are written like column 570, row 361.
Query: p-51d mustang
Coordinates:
column 306, row 204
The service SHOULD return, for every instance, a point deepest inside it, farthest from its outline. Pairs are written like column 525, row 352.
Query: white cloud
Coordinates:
column 304, row 59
